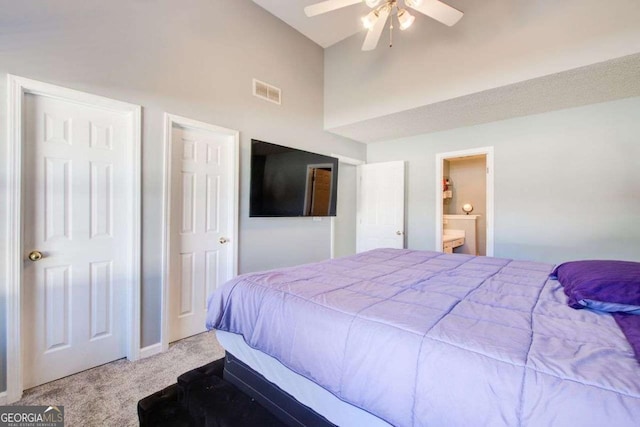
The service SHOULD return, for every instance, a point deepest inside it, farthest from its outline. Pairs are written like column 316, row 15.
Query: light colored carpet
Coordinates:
column 108, row 395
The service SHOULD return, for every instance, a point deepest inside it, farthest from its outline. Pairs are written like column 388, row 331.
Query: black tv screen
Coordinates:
column 290, row 182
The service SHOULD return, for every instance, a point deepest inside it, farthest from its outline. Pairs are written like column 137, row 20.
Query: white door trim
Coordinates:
column 17, row 88
column 349, row 161
column 171, row 120
column 440, row 157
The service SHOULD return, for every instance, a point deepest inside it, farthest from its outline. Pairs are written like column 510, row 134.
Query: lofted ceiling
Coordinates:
column 483, row 23
column 326, row 29
column 606, row 81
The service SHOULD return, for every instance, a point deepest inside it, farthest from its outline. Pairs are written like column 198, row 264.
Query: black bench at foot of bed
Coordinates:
column 202, row 398
column 224, row 393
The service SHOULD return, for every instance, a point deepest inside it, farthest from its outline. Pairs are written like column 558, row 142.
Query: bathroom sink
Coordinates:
column 452, row 239
column 452, row 234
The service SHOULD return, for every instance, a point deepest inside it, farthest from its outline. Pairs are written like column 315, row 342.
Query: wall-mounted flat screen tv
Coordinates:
column 288, row 182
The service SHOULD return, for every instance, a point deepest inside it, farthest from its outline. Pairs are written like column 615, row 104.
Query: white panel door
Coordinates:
column 380, row 214
column 199, row 258
column 75, row 296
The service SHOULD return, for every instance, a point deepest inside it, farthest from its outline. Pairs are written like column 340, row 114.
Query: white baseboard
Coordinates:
column 150, row 350
column 3, row 398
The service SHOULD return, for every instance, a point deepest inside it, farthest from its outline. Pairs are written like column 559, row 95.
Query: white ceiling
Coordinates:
column 325, row 29
column 606, row 81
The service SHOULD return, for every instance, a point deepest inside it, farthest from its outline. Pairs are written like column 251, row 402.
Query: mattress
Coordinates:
column 423, row 338
column 303, row 390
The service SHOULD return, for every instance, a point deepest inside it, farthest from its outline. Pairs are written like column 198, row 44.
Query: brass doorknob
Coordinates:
column 223, row 240
column 35, row 256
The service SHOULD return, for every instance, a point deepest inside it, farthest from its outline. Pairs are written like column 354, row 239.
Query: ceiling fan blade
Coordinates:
column 328, row 6
column 373, row 35
column 436, row 10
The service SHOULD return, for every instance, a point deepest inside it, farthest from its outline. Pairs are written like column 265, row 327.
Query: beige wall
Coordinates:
column 469, row 180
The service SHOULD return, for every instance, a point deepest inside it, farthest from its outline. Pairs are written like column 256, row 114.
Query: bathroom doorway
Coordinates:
column 464, row 202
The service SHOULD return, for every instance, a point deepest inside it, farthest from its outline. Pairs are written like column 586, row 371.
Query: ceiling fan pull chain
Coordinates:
column 391, row 31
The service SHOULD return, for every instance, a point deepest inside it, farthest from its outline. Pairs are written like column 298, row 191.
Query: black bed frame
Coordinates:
column 277, row 401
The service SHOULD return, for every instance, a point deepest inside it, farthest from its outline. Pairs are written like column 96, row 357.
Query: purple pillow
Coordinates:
column 612, row 286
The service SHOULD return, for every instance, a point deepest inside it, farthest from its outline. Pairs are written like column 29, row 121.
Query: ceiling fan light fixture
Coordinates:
column 405, row 19
column 370, row 20
column 413, row 3
column 382, row 12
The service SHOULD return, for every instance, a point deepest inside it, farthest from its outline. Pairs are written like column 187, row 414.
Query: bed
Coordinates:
column 412, row 338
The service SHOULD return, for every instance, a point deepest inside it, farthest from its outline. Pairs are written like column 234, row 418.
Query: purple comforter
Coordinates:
column 423, row 338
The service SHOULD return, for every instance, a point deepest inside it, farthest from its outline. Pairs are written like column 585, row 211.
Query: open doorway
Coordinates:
column 317, row 198
column 464, row 202
column 343, row 225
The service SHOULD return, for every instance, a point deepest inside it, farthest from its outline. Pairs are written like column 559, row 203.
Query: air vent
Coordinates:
column 266, row 91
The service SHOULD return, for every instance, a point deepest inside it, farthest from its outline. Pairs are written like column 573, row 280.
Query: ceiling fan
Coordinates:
column 375, row 20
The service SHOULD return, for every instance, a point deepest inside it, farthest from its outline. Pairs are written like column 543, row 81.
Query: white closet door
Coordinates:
column 200, row 228
column 75, row 207
column 380, row 215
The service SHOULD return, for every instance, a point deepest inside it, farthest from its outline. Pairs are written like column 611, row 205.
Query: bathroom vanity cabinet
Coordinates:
column 466, row 223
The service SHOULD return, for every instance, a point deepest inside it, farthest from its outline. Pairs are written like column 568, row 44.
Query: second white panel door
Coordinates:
column 199, row 251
